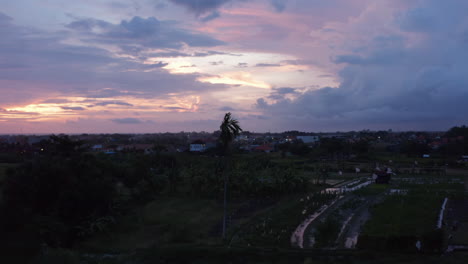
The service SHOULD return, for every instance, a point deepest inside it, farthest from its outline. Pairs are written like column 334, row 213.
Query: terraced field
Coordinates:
column 340, row 225
column 387, row 217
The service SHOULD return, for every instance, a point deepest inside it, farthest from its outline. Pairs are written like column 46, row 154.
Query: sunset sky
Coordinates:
column 143, row 66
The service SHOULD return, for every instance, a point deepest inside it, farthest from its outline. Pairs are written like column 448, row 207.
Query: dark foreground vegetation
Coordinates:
column 67, row 204
column 60, row 198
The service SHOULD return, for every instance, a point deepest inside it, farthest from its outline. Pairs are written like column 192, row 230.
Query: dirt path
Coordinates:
column 351, row 232
column 299, row 237
column 303, row 236
column 456, row 220
column 308, row 235
column 360, row 216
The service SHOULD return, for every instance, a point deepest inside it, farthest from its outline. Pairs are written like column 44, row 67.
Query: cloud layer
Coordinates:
column 278, row 65
column 411, row 75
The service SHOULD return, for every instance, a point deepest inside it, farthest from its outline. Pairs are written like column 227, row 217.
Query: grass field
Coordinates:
column 401, row 220
column 404, row 216
column 163, row 221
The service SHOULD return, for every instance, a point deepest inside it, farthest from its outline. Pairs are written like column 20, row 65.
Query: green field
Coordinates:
column 190, row 219
column 409, row 215
column 165, row 220
column 400, row 220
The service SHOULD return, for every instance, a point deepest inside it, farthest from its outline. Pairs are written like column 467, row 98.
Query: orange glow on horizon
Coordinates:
column 82, row 107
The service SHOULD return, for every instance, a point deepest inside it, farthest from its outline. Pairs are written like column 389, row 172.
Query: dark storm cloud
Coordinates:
column 4, row 18
column 280, row 93
column 213, row 15
column 279, row 5
column 351, row 59
column 106, row 103
column 125, row 5
column 169, row 54
column 212, row 52
column 73, row 108
column 89, row 24
column 153, row 66
column 374, row 59
column 145, row 32
column 134, row 50
column 62, row 69
column 175, row 54
column 201, row 6
column 387, row 83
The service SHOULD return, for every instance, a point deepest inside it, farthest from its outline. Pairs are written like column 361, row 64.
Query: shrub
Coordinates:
column 57, row 256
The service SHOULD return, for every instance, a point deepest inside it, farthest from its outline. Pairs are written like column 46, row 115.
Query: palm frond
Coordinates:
column 230, row 128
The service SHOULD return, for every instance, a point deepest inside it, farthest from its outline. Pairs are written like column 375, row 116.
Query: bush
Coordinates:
column 57, row 256
column 327, row 231
column 56, row 196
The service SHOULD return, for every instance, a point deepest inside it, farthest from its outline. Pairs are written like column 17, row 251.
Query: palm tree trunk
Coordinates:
column 229, row 130
column 225, row 204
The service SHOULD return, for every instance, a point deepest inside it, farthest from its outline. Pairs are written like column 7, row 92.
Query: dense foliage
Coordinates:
column 65, row 194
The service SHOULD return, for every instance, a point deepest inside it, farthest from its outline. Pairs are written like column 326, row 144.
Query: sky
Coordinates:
column 148, row 66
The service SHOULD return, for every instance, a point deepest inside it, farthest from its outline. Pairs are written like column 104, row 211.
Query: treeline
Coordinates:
column 454, row 143
column 327, row 148
column 63, row 195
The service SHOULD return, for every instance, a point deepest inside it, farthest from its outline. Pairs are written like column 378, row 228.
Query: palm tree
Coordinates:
column 229, row 130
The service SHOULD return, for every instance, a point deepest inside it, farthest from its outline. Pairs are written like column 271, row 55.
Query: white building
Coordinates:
column 197, row 147
column 96, row 147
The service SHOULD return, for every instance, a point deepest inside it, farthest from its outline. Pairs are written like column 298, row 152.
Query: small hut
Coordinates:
column 382, row 176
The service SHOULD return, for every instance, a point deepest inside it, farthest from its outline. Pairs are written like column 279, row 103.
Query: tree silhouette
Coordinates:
column 229, row 130
column 63, row 145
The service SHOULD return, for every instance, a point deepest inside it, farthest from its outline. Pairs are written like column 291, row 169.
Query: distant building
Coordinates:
column 339, row 136
column 382, row 176
column 264, row 148
column 97, row 147
column 202, row 145
column 242, row 138
column 435, row 145
column 144, row 148
column 197, row 147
